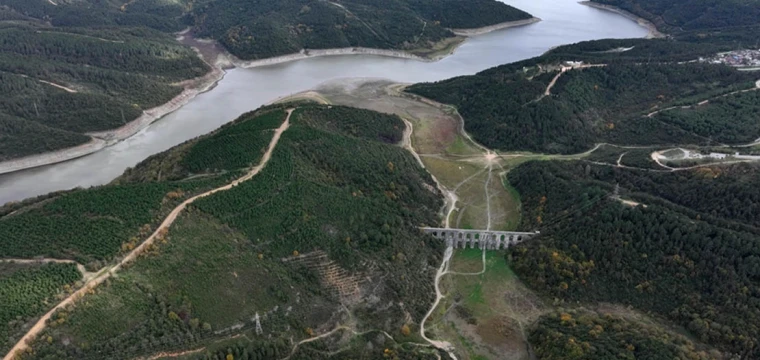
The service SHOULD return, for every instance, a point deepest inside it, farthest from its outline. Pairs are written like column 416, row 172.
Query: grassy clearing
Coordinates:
column 449, row 172
column 462, row 146
column 485, row 315
column 434, row 131
column 467, row 261
column 103, row 315
column 439, row 49
column 503, row 207
column 473, row 203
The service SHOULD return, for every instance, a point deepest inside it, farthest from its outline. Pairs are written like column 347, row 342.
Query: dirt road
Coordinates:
column 22, row 344
column 442, row 270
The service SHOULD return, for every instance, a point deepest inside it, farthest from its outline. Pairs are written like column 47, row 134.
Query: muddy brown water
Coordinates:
column 241, row 90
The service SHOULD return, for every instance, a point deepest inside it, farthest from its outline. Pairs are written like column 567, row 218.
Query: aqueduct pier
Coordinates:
column 482, row 239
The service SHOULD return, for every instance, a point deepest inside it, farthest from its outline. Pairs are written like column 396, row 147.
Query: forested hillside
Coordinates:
column 84, row 66
column 690, row 253
column 68, row 68
column 83, row 225
column 325, row 235
column 588, row 335
column 27, row 290
column 684, row 15
column 508, row 107
column 264, row 28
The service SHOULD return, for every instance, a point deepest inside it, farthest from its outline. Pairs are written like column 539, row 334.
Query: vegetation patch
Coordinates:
column 674, row 257
column 253, row 30
column 506, row 108
column 71, row 68
column 86, row 225
column 584, row 334
column 324, row 236
column 26, row 292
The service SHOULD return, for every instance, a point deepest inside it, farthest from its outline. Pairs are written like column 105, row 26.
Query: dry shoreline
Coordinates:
column 488, row 29
column 32, row 161
column 653, row 32
column 193, row 87
column 231, row 60
column 104, row 139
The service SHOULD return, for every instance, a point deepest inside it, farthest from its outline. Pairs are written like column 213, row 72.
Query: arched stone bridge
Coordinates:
column 482, row 239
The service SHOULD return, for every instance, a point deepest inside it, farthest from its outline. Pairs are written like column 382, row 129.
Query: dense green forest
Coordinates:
column 85, row 66
column 691, row 254
column 235, row 146
column 377, row 349
column 584, row 334
column 264, row 28
column 86, row 226
column 19, row 137
column 505, row 107
column 343, row 189
column 27, row 291
column 684, row 15
column 743, row 110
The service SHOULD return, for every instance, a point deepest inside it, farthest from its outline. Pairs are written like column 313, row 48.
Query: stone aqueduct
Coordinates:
column 482, row 239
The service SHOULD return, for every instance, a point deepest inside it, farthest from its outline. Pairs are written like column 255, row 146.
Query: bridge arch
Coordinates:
column 483, row 239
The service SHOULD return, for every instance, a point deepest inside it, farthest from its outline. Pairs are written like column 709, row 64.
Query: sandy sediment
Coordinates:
column 32, row 161
column 101, row 140
column 653, row 32
column 227, row 59
column 487, row 29
column 305, row 54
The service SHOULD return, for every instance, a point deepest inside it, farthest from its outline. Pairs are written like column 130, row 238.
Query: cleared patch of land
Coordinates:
column 487, row 309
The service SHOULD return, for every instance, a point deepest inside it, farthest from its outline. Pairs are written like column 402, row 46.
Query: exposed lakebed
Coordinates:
column 241, row 90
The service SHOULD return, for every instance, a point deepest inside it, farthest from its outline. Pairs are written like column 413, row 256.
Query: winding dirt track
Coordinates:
column 35, row 330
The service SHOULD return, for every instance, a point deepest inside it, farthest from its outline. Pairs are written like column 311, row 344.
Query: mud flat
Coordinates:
column 305, row 54
column 488, row 29
column 103, row 139
column 193, row 87
column 32, row 161
column 653, row 32
column 225, row 59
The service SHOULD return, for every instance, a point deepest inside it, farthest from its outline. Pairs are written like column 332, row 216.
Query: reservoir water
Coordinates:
column 241, row 90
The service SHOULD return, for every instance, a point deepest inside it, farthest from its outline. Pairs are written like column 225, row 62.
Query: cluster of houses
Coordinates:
column 736, row 58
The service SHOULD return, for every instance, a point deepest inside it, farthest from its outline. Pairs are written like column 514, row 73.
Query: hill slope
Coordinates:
column 541, row 108
column 73, row 67
column 323, row 238
column 685, row 15
column 78, row 67
column 690, row 253
column 265, row 28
